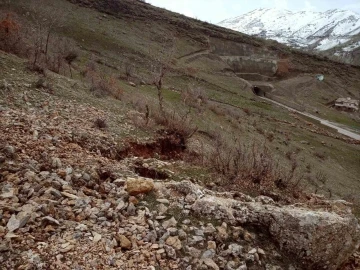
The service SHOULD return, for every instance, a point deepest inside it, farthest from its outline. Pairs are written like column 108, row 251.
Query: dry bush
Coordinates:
column 148, row 115
column 270, row 136
column 140, row 116
column 320, row 155
column 100, row 123
column 12, row 35
column 247, row 111
column 101, row 84
column 195, row 97
column 129, row 70
column 36, row 42
column 233, row 159
column 260, row 130
column 44, row 84
column 191, row 72
column 251, row 166
column 321, row 177
column 174, row 122
column 57, row 54
column 218, row 110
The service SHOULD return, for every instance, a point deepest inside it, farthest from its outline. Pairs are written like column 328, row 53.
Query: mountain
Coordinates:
column 335, row 31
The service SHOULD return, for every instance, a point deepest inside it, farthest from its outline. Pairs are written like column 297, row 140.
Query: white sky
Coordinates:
column 217, row 10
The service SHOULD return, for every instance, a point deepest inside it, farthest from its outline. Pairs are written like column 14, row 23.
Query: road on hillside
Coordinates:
column 341, row 130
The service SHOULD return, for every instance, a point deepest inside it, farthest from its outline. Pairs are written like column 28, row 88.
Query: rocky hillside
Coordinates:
column 65, row 203
column 133, row 138
column 307, row 30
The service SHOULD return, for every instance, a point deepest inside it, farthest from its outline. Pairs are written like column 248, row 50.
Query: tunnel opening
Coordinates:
column 257, row 91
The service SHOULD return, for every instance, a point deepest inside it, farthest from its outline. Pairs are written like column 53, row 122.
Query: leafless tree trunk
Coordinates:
column 163, row 61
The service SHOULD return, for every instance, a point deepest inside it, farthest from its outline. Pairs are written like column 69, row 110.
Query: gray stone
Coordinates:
column 96, row 237
column 182, row 234
column 209, row 229
column 197, row 238
column 170, row 251
column 9, row 151
column 210, row 253
column 169, row 223
column 210, row 263
column 50, row 220
column 131, row 209
column 13, row 224
column 162, row 209
column 121, row 205
column 172, row 231
column 164, row 201
column 199, row 232
column 56, row 163
column 194, row 252
column 86, row 176
column 186, row 221
column 235, row 249
column 23, row 218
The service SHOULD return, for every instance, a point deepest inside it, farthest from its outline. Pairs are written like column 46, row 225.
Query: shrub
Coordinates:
column 320, row 155
column 247, row 111
column 250, row 166
column 176, row 123
column 101, row 84
column 11, row 35
column 194, row 97
column 100, row 123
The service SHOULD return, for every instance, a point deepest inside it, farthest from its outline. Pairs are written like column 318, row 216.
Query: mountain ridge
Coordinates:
column 334, row 30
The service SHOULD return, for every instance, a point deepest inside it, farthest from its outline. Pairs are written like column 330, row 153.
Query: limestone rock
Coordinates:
column 170, row 251
column 97, row 237
column 317, row 238
column 169, row 223
column 124, row 242
column 137, row 186
column 13, row 223
column 210, row 263
column 174, row 241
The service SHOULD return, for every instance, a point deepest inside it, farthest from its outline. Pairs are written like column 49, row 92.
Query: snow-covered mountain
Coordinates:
column 304, row 29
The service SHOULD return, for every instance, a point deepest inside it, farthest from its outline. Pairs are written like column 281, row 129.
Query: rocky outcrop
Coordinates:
column 319, row 239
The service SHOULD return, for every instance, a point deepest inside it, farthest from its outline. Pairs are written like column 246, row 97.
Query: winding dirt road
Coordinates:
column 341, row 130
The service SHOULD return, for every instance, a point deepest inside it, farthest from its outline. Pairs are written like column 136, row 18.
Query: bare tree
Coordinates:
column 45, row 24
column 160, row 68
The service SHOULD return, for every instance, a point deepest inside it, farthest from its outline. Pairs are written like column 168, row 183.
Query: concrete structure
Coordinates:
column 347, row 104
column 261, row 88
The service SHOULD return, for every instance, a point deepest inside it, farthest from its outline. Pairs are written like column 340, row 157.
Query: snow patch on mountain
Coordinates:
column 303, row 29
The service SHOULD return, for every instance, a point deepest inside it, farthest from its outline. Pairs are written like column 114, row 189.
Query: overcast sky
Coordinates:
column 217, row 10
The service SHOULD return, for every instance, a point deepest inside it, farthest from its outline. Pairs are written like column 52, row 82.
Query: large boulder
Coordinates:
column 317, row 238
column 137, row 186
